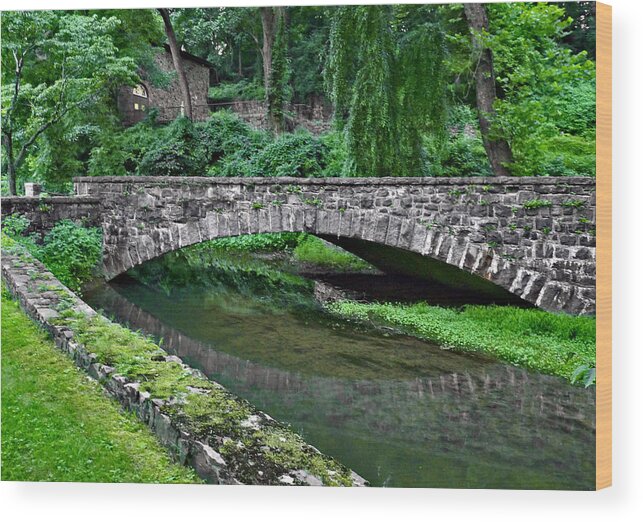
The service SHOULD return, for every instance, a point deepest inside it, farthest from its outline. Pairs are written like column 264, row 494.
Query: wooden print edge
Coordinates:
column 603, row 245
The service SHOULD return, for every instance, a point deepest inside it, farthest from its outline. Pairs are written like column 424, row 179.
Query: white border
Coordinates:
column 622, row 502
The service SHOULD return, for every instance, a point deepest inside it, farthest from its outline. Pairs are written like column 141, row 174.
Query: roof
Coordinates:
column 187, row 56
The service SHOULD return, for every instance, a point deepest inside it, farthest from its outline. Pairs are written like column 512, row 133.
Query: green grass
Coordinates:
column 555, row 344
column 313, row 250
column 214, row 410
column 57, row 424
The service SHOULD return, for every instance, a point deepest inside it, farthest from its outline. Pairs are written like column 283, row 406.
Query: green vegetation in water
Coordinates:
column 556, row 344
column 71, row 251
column 58, row 426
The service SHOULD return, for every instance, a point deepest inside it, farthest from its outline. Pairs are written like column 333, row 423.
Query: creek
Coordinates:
column 399, row 411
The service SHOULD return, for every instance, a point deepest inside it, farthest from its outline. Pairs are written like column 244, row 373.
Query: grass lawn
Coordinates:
column 550, row 343
column 58, row 425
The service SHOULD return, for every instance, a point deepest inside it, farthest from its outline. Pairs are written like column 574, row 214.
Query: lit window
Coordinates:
column 140, row 91
column 136, row 106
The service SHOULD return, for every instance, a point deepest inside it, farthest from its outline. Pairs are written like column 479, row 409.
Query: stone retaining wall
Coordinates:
column 44, row 212
column 44, row 298
column 316, row 118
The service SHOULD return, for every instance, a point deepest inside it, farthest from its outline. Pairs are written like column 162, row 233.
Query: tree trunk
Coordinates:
column 271, row 17
column 498, row 150
column 268, row 23
column 175, row 51
column 11, row 166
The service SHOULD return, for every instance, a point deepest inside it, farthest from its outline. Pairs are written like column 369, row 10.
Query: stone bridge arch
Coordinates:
column 530, row 236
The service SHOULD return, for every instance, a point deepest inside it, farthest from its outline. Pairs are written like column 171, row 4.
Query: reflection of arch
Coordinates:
column 140, row 90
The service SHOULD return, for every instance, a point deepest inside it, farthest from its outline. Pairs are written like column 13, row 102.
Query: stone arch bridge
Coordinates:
column 533, row 237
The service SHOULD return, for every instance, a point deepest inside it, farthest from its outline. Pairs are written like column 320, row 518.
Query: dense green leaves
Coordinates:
column 401, row 79
column 549, row 92
column 391, row 89
column 70, row 251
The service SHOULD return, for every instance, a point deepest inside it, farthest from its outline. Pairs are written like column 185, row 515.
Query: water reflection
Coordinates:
column 399, row 411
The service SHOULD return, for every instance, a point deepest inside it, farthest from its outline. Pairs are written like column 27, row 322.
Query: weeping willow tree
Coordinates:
column 279, row 92
column 386, row 76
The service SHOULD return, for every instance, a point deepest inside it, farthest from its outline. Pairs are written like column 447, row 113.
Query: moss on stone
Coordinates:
column 257, row 449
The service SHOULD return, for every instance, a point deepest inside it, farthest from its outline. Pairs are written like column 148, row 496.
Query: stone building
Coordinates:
column 134, row 102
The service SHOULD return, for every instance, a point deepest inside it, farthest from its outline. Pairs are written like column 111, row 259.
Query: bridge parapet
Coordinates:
column 44, row 212
column 532, row 236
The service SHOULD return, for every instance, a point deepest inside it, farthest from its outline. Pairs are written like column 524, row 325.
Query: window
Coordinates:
column 140, row 91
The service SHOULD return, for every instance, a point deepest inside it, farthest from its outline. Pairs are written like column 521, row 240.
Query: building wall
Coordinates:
column 316, row 117
column 168, row 101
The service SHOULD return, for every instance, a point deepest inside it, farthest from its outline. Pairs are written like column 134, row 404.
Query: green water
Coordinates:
column 399, row 411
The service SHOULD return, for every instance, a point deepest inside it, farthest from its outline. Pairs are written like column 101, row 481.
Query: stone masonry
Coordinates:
column 532, row 236
column 44, row 212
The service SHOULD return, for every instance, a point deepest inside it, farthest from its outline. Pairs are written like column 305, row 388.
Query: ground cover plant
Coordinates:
column 57, row 425
column 556, row 344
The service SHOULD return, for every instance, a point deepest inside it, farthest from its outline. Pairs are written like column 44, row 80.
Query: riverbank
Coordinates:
column 224, row 438
column 554, row 344
column 58, row 425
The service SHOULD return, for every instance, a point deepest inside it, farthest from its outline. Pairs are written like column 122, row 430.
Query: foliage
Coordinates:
column 58, row 426
column 244, row 89
column 391, row 89
column 389, row 93
column 82, row 64
column 549, row 92
column 538, row 340
column 313, row 250
column 177, row 152
column 70, row 251
column 462, row 153
column 297, row 155
column 585, row 374
column 270, row 242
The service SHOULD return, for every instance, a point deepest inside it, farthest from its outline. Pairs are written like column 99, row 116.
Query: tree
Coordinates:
column 386, row 86
column 275, row 65
column 175, row 50
column 496, row 146
column 547, row 111
column 53, row 65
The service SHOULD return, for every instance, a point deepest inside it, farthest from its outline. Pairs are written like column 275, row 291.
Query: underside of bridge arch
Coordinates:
column 392, row 260
column 532, row 237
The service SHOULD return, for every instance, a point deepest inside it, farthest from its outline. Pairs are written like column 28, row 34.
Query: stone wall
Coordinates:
column 532, row 236
column 44, row 213
column 315, row 118
column 168, row 100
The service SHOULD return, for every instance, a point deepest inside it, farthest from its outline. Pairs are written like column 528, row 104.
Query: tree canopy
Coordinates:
column 403, row 81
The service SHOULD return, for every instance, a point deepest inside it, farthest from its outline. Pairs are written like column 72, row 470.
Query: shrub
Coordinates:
column 270, row 242
column 298, row 155
column 177, row 152
column 244, row 89
column 120, row 153
column 70, row 251
column 561, row 155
